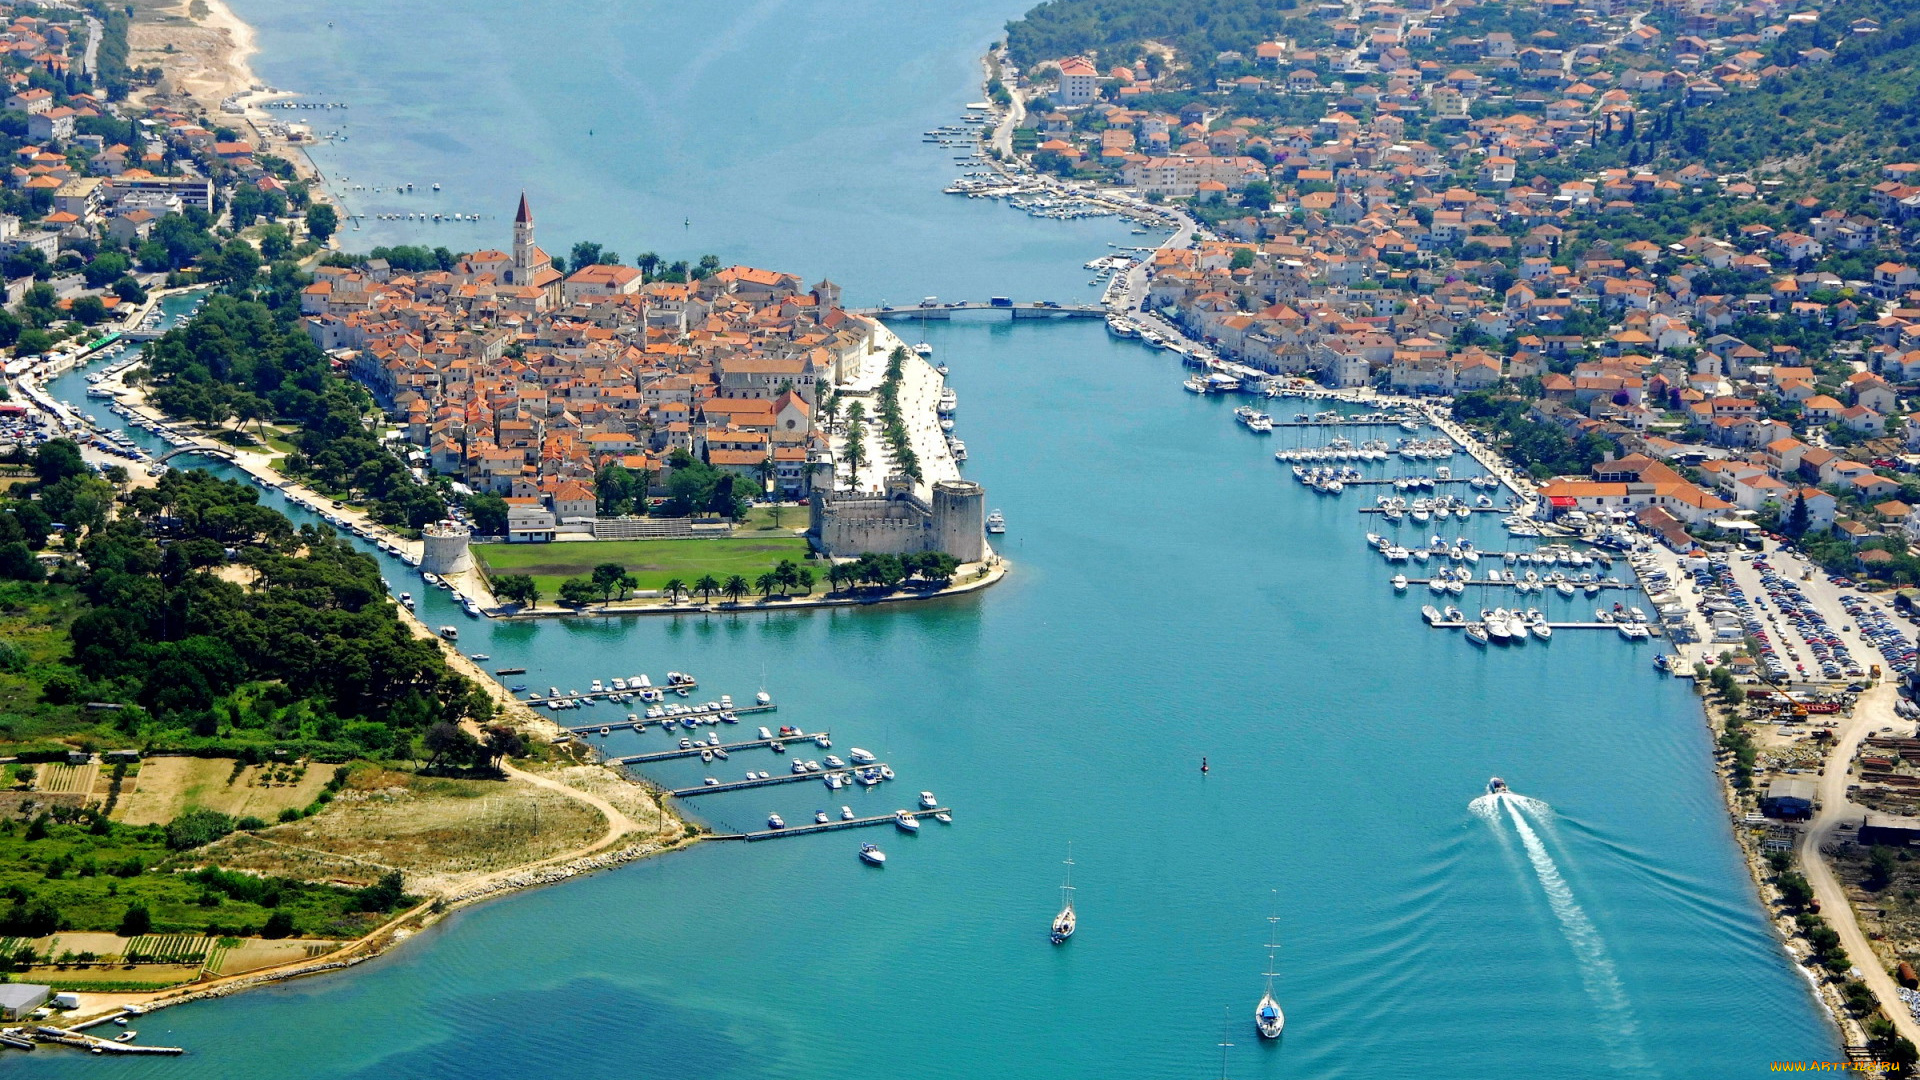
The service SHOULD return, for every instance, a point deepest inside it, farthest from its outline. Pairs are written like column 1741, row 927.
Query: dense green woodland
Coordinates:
column 308, row 656
column 245, row 361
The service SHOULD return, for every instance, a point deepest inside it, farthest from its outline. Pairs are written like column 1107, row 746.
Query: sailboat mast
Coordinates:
column 1226, row 1046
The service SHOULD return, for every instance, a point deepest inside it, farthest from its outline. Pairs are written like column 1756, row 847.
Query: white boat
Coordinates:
column 871, row 854
column 996, row 523
column 927, row 801
column 774, row 822
column 1430, row 613
column 859, row 756
column 1477, row 633
column 1268, row 1020
column 1399, row 583
column 846, row 813
column 905, row 822
column 1066, row 922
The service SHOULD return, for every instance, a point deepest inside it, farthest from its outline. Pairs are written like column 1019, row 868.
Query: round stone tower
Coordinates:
column 445, row 549
column 960, row 519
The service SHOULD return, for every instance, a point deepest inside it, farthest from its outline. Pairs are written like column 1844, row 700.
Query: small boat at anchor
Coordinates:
column 1066, row 922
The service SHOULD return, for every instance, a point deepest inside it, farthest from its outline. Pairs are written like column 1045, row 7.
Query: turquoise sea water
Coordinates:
column 1176, row 596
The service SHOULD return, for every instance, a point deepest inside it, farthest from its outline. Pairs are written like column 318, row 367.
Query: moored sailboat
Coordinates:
column 1066, row 922
column 1268, row 1020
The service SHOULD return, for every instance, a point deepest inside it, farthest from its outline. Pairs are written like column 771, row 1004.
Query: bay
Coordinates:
column 1176, row 596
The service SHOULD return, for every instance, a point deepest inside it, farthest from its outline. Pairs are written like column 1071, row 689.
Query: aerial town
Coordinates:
column 322, row 540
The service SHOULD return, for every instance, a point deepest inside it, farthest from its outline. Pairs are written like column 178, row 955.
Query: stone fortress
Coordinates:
column 899, row 522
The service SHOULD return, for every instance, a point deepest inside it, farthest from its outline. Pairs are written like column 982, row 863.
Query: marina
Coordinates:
column 831, row 826
column 695, row 751
column 770, row 781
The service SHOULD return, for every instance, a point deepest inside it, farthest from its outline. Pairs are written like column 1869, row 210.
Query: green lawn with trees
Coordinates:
column 651, row 563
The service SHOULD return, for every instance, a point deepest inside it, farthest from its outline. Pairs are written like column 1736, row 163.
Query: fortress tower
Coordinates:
column 960, row 519
column 444, row 549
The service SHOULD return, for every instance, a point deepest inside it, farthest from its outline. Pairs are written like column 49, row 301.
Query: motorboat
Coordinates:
column 1399, row 583
column 872, row 855
column 820, row 817
column 846, row 813
column 996, row 523
column 927, row 801
column 857, row 755
column 1066, row 922
column 905, row 821
column 1496, row 786
column 1477, row 633
column 774, row 822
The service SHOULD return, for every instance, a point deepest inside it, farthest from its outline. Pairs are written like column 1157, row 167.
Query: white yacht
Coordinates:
column 996, row 523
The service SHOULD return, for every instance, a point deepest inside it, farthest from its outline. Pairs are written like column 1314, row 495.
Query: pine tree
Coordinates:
column 1797, row 520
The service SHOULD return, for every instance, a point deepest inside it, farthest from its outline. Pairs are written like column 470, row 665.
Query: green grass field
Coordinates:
column 652, row 562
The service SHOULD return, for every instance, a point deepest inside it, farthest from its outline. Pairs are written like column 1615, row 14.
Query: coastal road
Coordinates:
column 1872, row 711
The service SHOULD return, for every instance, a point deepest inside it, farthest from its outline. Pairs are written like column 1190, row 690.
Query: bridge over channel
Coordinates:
column 1038, row 310
column 203, row 451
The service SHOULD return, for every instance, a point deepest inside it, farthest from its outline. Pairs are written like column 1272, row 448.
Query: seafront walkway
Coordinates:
column 920, row 387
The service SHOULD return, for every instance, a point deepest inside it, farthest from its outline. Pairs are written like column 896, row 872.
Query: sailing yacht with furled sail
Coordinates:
column 1065, row 922
column 1267, row 1017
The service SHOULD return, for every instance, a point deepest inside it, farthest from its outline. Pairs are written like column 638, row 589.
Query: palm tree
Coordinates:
column 766, row 583
column 674, row 587
column 735, row 588
column 706, row 587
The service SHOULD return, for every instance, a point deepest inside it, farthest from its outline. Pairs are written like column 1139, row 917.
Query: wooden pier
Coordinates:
column 1653, row 628
column 1388, row 482
column 1345, row 423
column 752, row 744
column 643, row 720
column 777, row 778
column 607, row 692
column 831, row 826
column 1578, row 587
column 65, row 1037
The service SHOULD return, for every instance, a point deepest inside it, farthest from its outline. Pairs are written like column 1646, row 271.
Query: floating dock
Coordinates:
column 831, row 826
column 777, row 778
column 65, row 1037
column 1424, row 424
column 643, row 721
column 751, row 744
column 1578, row 587
column 1653, row 629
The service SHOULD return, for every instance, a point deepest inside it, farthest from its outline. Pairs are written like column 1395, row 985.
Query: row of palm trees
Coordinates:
column 784, row 578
